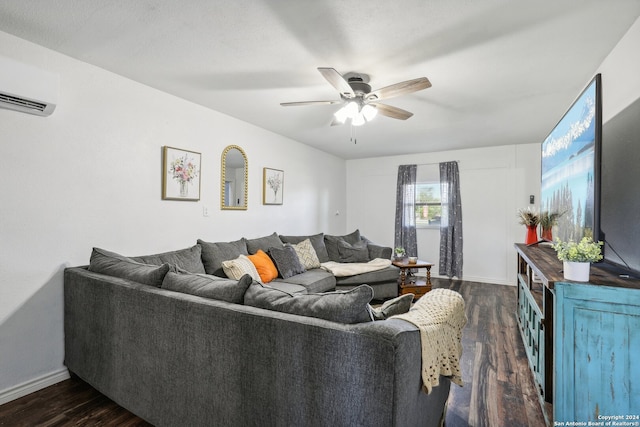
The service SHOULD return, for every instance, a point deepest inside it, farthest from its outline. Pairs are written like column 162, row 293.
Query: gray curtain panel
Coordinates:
column 451, row 223
column 405, row 235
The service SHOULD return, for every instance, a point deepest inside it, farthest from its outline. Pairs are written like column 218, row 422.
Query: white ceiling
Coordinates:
column 503, row 71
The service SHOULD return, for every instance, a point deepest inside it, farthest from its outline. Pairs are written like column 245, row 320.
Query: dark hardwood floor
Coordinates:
column 68, row 403
column 498, row 387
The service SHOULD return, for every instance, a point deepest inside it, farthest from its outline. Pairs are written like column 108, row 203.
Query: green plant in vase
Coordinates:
column 585, row 251
column 577, row 257
column 399, row 253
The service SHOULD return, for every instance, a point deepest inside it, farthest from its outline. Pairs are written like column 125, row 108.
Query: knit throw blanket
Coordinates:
column 440, row 316
column 344, row 269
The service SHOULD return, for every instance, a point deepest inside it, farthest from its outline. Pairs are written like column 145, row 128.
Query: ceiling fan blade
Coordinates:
column 398, row 89
column 296, row 104
column 393, row 112
column 336, row 80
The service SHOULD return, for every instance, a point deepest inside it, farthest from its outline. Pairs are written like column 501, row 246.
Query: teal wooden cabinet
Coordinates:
column 582, row 340
column 597, row 357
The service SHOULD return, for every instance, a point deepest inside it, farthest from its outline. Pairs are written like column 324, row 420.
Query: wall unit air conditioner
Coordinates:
column 27, row 89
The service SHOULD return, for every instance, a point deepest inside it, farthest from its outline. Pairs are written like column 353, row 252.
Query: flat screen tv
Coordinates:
column 571, row 167
column 620, row 190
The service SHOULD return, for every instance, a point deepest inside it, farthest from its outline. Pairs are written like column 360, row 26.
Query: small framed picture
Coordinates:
column 272, row 186
column 180, row 174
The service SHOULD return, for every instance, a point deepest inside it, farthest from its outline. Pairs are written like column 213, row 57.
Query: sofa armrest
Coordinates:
column 377, row 251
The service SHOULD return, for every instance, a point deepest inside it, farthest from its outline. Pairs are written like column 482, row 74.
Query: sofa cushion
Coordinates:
column 286, row 261
column 207, row 286
column 357, row 252
column 189, row 259
column 331, row 242
column 287, row 287
column 214, row 253
column 306, row 254
column 237, row 268
column 263, row 243
column 389, row 274
column 317, row 241
column 113, row 264
column 265, row 266
column 394, row 306
column 350, row 306
column 316, row 280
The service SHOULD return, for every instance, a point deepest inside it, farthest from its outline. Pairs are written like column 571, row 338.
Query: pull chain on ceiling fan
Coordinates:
column 361, row 104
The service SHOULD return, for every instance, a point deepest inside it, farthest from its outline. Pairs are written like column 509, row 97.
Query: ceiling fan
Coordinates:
column 361, row 103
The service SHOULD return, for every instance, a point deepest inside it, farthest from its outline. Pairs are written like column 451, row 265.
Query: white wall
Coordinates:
column 494, row 183
column 90, row 175
column 620, row 70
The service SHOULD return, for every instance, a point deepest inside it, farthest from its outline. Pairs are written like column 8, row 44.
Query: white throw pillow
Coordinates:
column 236, row 268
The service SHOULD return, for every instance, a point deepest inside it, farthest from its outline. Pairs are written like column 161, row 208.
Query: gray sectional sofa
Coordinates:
column 168, row 339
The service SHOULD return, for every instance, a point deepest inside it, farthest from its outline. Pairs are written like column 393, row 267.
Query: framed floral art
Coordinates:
column 272, row 186
column 180, row 174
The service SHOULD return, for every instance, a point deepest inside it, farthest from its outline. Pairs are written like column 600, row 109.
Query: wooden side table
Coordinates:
column 417, row 285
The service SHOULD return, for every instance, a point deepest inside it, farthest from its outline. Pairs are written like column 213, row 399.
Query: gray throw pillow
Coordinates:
column 189, row 259
column 286, row 261
column 214, row 253
column 317, row 241
column 263, row 243
column 116, row 265
column 207, row 286
column 331, row 242
column 350, row 306
column 358, row 252
column 394, row 306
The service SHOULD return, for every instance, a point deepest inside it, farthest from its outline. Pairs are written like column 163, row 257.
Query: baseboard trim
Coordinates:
column 489, row 280
column 31, row 386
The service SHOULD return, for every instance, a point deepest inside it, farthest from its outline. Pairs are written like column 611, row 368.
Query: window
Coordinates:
column 428, row 208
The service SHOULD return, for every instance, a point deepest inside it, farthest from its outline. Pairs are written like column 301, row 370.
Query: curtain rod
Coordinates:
column 435, row 163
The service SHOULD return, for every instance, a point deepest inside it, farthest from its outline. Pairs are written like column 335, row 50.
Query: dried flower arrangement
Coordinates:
column 549, row 219
column 528, row 217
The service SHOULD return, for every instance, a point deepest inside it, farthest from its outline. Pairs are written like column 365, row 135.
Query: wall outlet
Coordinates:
column 205, row 211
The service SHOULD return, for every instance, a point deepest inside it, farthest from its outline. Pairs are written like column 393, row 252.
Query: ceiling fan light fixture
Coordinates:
column 352, row 109
column 349, row 111
column 369, row 112
column 358, row 120
column 341, row 115
column 358, row 113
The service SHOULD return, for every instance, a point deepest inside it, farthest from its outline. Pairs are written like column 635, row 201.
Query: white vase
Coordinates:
column 576, row 271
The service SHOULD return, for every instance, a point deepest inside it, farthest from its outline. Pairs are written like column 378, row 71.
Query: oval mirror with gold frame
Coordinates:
column 234, row 179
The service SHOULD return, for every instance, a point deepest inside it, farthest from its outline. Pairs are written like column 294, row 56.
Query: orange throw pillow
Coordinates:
column 266, row 268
